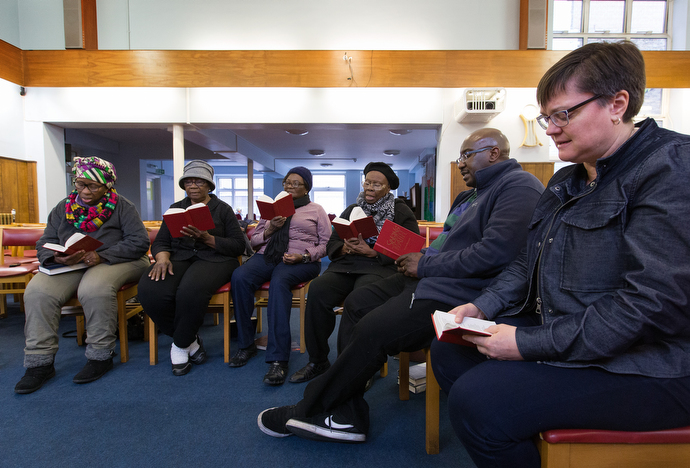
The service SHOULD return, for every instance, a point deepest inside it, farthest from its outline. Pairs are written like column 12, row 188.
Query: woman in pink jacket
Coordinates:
column 288, row 252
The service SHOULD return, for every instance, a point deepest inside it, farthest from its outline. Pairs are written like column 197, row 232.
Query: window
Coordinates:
column 328, row 190
column 233, row 190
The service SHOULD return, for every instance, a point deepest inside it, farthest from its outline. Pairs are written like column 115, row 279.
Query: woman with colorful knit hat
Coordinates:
column 93, row 208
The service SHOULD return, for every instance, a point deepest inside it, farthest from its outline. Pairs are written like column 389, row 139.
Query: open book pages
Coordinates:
column 182, row 210
column 444, row 322
column 267, row 199
column 76, row 242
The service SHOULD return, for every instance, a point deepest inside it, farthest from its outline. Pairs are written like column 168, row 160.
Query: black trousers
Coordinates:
column 178, row 303
column 380, row 320
column 325, row 293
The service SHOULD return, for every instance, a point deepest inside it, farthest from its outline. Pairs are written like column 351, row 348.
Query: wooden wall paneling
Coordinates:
column 89, row 24
column 541, row 170
column 11, row 64
column 18, row 189
column 311, row 68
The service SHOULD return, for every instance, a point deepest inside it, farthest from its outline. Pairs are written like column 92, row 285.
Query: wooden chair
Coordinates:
column 16, row 240
column 13, row 280
column 584, row 448
column 432, row 394
column 299, row 300
column 124, row 312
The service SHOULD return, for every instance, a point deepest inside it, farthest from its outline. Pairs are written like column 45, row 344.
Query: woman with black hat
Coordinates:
column 175, row 290
column 288, row 252
column 353, row 263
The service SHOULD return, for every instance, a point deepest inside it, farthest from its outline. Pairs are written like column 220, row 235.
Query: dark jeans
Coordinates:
column 178, row 303
column 247, row 279
column 379, row 320
column 325, row 293
column 498, row 407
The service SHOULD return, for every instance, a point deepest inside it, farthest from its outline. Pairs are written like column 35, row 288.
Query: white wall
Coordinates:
column 9, row 22
column 12, row 122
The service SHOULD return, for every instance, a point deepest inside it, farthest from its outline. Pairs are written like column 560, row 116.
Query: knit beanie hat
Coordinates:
column 386, row 170
column 96, row 169
column 198, row 169
column 304, row 173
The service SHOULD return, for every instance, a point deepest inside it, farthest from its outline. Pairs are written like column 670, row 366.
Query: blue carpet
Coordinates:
column 141, row 415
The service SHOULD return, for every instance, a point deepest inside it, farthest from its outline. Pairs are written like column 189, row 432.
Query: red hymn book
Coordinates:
column 394, row 240
column 75, row 243
column 359, row 223
column 281, row 206
column 197, row 215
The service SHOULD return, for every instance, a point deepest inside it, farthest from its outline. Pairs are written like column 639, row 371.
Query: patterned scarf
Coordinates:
column 90, row 218
column 381, row 210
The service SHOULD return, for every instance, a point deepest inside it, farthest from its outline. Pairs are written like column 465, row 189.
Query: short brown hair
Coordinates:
column 599, row 68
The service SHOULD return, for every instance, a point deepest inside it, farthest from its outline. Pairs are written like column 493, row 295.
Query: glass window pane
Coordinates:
column 649, row 44
column 258, row 184
column 241, row 183
column 331, row 201
column 648, row 16
column 606, row 16
column 567, row 16
column 333, row 181
column 652, row 102
column 224, row 183
column 225, row 195
column 566, row 43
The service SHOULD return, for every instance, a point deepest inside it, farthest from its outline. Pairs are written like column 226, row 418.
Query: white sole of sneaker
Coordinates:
column 314, row 432
column 266, row 430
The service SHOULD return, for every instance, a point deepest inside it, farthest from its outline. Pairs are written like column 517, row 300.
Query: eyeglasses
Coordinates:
column 292, row 183
column 467, row 154
column 90, row 187
column 562, row 118
column 197, row 182
column 375, row 185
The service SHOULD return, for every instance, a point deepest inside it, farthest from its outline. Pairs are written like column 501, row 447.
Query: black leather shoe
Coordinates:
column 242, row 356
column 181, row 369
column 309, row 371
column 276, row 373
column 34, row 378
column 200, row 356
column 93, row 370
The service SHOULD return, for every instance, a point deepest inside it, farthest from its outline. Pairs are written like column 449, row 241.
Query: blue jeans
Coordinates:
column 247, row 279
column 498, row 407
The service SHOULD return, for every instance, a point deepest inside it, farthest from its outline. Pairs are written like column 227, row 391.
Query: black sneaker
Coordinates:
column 93, row 370
column 326, row 427
column 276, row 374
column 200, row 356
column 242, row 356
column 309, row 371
column 34, row 378
column 272, row 421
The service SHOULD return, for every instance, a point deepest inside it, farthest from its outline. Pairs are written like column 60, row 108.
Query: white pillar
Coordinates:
column 250, row 188
column 178, row 159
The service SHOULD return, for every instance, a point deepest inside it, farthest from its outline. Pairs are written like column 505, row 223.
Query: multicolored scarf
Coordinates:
column 381, row 210
column 90, row 218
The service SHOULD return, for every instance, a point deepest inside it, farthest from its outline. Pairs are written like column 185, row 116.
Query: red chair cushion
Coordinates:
column 680, row 435
column 223, row 289
column 22, row 260
column 26, row 237
column 128, row 285
column 8, row 272
column 267, row 284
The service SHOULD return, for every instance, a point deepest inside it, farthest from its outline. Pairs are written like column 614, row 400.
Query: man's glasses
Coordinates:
column 197, row 182
column 292, row 183
column 374, row 185
column 562, row 118
column 467, row 154
column 90, row 187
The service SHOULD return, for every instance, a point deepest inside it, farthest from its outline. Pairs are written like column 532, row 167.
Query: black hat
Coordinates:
column 304, row 173
column 386, row 170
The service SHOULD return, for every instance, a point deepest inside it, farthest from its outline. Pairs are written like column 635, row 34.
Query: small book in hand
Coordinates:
column 359, row 223
column 394, row 240
column 75, row 243
column 281, row 206
column 197, row 215
column 450, row 332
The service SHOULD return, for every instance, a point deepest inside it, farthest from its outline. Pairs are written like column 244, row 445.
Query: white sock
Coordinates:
column 194, row 347
column 179, row 355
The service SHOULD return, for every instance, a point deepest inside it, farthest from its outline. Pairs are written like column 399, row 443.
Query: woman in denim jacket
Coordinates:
column 594, row 316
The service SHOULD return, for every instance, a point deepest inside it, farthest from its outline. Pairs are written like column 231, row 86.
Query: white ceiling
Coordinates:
column 346, row 146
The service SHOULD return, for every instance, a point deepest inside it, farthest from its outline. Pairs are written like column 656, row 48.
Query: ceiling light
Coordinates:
column 297, row 131
column 326, row 164
column 317, row 152
column 399, row 131
column 391, row 152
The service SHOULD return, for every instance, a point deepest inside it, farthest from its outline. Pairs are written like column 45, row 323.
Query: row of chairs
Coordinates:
column 558, row 448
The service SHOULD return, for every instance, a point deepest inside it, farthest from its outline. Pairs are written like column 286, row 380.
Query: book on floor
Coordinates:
column 394, row 240
column 75, row 243
column 58, row 268
column 283, row 205
column 450, row 332
column 359, row 223
column 197, row 215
